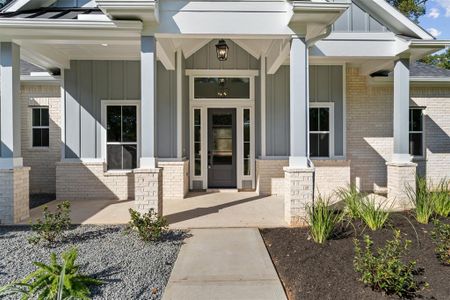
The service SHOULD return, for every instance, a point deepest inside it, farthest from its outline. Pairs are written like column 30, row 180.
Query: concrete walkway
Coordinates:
column 224, row 263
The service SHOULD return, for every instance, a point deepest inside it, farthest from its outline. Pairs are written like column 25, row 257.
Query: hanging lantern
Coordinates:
column 222, row 50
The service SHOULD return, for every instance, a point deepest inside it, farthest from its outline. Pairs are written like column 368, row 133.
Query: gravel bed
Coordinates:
column 130, row 268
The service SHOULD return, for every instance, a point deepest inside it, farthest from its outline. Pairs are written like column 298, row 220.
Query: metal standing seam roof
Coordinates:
column 53, row 13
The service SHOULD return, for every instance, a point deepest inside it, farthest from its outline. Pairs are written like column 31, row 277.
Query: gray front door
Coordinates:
column 222, row 148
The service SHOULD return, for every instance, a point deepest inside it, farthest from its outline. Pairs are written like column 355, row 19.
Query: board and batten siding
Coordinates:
column 326, row 85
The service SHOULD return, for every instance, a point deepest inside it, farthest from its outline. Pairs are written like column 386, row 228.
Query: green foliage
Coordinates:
column 322, row 220
column 441, row 198
column 441, row 238
column 54, row 281
column 441, row 59
column 385, row 270
column 413, row 9
column 352, row 199
column 150, row 226
column 372, row 213
column 422, row 200
column 52, row 225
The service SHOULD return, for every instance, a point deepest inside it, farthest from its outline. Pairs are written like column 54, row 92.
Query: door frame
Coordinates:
column 240, row 105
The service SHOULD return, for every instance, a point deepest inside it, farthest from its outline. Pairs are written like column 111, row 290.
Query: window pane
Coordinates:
column 36, row 117
column 246, row 150
column 246, row 116
column 415, row 120
column 37, row 138
column 113, row 123
column 129, row 157
column 246, row 166
column 324, row 145
column 415, row 144
column 247, row 132
column 314, row 145
column 197, row 133
column 314, row 119
column 324, row 119
column 197, row 117
column 114, row 153
column 44, row 137
column 198, row 166
column 197, row 149
column 237, row 88
column 44, row 117
column 129, row 126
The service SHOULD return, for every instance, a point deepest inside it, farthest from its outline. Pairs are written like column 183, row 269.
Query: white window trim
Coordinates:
column 39, row 127
column 104, row 105
column 422, row 108
column 330, row 106
column 239, row 105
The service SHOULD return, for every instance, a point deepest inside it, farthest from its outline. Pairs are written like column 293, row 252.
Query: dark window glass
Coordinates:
column 197, row 133
column 197, row 117
column 40, row 124
column 114, row 160
column 324, row 145
column 129, row 124
column 416, row 131
column 114, row 117
column 415, row 120
column 324, row 124
column 319, row 126
column 415, row 144
column 37, row 137
column 197, row 143
column 314, row 145
column 246, row 167
column 247, row 150
column 314, row 119
column 197, row 149
column 44, row 117
column 36, row 117
column 198, row 167
column 227, row 88
column 129, row 157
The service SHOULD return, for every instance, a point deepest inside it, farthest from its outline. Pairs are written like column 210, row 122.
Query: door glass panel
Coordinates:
column 222, row 134
column 197, row 143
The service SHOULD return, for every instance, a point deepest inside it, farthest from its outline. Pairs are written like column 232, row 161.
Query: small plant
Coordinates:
column 52, row 225
column 322, row 220
column 150, row 226
column 385, row 270
column 372, row 213
column 352, row 200
column 441, row 238
column 54, row 281
column 422, row 201
column 441, row 198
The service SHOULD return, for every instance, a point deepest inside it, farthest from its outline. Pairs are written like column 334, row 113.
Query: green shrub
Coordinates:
column 54, row 281
column 322, row 220
column 441, row 199
column 52, row 225
column 372, row 213
column 422, row 200
column 385, row 270
column 150, row 226
column 352, row 200
column 441, row 238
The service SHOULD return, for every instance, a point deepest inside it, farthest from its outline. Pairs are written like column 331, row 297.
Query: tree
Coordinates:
column 441, row 60
column 413, row 9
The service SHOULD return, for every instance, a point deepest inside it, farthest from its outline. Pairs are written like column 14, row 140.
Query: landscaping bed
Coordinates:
column 312, row 271
column 129, row 267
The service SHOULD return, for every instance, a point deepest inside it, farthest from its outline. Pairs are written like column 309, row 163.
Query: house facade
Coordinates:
column 151, row 99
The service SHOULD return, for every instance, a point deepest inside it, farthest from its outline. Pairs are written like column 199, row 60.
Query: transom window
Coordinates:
column 319, row 131
column 221, row 88
column 40, row 127
column 416, row 131
column 121, row 141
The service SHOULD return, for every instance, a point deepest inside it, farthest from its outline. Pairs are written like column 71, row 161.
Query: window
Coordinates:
column 197, row 142
column 416, row 131
column 319, row 131
column 226, row 88
column 121, row 137
column 40, row 127
column 247, row 158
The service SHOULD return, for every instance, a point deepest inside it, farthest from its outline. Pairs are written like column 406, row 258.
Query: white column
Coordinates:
column 263, row 106
column 10, row 119
column 148, row 101
column 401, row 112
column 299, row 103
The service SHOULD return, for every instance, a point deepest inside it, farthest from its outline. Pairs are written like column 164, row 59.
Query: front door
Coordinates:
column 222, row 148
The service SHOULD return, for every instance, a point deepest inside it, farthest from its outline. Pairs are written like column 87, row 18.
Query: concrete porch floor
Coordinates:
column 197, row 210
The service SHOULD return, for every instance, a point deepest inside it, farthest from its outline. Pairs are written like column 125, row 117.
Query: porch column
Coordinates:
column 400, row 170
column 148, row 178
column 299, row 174
column 14, row 178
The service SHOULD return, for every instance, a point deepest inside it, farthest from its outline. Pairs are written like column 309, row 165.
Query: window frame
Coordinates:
column 330, row 106
column 39, row 127
column 422, row 132
column 104, row 134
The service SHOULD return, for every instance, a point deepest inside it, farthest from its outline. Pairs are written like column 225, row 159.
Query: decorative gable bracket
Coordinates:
column 143, row 10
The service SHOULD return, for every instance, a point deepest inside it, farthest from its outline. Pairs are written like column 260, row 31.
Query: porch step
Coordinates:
column 222, row 190
column 381, row 190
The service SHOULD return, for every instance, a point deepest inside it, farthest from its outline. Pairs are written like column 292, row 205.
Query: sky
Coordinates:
column 437, row 19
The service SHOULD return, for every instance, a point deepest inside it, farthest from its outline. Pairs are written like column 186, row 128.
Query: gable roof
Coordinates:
column 420, row 69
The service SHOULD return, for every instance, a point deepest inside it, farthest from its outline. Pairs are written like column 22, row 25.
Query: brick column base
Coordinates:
column 14, row 195
column 148, row 189
column 400, row 176
column 299, row 193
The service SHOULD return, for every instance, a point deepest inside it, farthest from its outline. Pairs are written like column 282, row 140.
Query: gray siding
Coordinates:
column 355, row 19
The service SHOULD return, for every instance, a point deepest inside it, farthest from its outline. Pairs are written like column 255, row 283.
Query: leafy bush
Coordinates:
column 322, row 220
column 52, row 225
column 372, row 213
column 422, row 200
column 441, row 237
column 150, row 226
column 441, row 199
column 385, row 270
column 54, row 281
column 352, row 199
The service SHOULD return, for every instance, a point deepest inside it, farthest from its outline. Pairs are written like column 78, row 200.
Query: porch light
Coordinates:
column 222, row 50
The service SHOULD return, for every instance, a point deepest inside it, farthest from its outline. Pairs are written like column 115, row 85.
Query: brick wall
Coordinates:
column 331, row 175
column 42, row 161
column 175, row 179
column 14, row 195
column 270, row 176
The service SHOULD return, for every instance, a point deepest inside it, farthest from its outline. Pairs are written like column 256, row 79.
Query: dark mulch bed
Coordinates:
column 312, row 271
